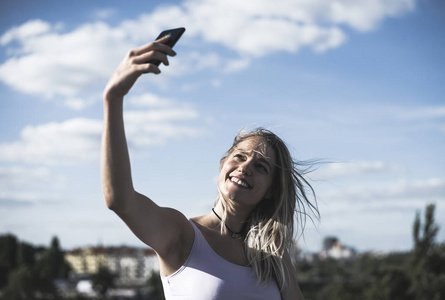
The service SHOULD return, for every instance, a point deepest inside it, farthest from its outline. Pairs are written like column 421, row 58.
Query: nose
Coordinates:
column 245, row 167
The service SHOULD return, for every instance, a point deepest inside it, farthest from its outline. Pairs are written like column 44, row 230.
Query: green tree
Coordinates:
column 26, row 254
column 21, row 285
column 8, row 257
column 51, row 265
column 388, row 283
column 31, row 270
column 102, row 281
column 424, row 234
column 428, row 259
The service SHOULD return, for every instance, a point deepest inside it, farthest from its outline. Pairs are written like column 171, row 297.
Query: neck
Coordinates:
column 235, row 218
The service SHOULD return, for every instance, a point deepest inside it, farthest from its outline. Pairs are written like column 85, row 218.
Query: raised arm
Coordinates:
column 161, row 228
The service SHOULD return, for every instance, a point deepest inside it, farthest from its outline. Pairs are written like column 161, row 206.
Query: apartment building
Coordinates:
column 129, row 264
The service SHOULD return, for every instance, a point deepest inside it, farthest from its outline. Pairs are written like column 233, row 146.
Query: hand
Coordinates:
column 136, row 63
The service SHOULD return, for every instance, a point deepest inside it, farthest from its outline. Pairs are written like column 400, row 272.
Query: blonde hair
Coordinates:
column 270, row 227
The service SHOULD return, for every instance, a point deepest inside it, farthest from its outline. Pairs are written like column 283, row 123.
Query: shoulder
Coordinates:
column 174, row 255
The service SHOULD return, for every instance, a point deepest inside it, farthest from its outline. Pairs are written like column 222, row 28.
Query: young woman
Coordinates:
column 240, row 249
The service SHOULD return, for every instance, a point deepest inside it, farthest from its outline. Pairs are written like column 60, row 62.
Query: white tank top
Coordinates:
column 207, row 276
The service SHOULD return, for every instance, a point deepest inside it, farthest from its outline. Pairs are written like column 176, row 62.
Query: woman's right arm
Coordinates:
column 161, row 228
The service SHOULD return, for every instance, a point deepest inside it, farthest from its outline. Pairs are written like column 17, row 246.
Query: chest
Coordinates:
column 229, row 249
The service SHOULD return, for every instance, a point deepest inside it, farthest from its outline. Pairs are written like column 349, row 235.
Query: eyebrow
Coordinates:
column 262, row 157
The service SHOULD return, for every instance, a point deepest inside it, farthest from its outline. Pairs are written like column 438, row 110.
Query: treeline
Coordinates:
column 415, row 275
column 29, row 272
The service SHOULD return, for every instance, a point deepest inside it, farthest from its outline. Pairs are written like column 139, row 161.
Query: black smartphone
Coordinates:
column 174, row 34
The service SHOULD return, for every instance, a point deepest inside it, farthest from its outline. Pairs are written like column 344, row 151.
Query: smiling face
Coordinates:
column 247, row 173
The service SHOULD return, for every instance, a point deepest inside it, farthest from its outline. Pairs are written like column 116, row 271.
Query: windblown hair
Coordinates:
column 269, row 231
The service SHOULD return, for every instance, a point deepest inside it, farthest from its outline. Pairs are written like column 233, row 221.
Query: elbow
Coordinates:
column 118, row 199
column 114, row 202
column 110, row 202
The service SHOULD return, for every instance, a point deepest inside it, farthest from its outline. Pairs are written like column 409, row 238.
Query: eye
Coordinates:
column 239, row 157
column 261, row 167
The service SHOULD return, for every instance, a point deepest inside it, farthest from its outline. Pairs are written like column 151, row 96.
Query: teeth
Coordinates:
column 240, row 182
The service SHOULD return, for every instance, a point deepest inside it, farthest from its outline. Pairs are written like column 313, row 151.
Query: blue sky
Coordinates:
column 359, row 84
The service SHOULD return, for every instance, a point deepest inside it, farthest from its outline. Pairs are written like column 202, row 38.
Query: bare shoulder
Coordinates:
column 200, row 221
column 164, row 229
column 182, row 235
column 180, row 231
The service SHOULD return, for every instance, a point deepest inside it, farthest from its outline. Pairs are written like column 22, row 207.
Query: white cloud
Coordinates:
column 105, row 13
column 261, row 27
column 352, row 169
column 430, row 189
column 20, row 185
column 78, row 140
column 25, row 198
column 365, row 14
column 68, row 65
column 419, row 113
column 75, row 65
column 148, row 100
column 27, row 185
column 19, row 176
column 28, row 30
column 385, row 209
column 67, row 142
column 166, row 119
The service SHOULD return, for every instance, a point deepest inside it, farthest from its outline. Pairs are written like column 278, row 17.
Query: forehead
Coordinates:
column 256, row 146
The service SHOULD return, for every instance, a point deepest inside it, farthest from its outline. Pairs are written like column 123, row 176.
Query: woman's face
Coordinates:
column 247, row 173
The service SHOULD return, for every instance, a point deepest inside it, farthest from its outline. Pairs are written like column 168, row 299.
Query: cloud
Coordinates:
column 430, row 189
column 352, row 169
column 384, row 208
column 21, row 185
column 364, row 15
column 106, row 13
column 165, row 119
column 66, row 142
column 419, row 113
column 262, row 27
column 48, row 62
column 78, row 140
column 19, row 176
column 53, row 64
column 28, row 30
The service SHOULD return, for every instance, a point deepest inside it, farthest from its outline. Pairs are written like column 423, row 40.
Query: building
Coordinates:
column 332, row 248
column 86, row 260
column 130, row 265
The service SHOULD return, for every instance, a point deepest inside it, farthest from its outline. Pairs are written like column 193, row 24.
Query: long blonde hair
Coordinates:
column 270, row 227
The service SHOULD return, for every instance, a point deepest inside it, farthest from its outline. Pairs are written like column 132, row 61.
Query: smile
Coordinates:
column 240, row 182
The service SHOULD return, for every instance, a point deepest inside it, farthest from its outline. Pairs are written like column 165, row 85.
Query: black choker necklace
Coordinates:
column 234, row 234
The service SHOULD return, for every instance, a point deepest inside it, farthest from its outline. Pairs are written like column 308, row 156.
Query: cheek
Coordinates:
column 220, row 180
column 222, row 177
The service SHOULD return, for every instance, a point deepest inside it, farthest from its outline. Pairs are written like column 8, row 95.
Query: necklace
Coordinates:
column 234, row 234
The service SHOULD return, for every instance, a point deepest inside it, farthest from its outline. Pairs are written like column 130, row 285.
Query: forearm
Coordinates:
column 117, row 183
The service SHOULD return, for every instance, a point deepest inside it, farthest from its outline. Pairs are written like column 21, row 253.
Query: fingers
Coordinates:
column 147, row 68
column 146, row 58
column 155, row 46
column 151, row 57
column 152, row 53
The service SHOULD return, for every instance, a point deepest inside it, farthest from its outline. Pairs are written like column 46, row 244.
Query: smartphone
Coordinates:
column 174, row 34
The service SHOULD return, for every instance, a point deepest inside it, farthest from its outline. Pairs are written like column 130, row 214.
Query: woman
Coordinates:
column 239, row 250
